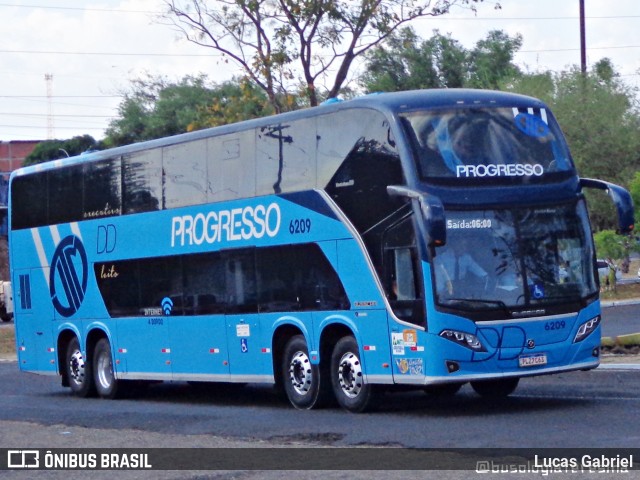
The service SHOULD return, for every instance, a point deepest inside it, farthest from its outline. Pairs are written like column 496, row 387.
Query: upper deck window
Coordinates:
column 487, row 144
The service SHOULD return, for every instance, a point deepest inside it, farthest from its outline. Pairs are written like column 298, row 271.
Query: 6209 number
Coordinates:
column 299, row 225
column 557, row 325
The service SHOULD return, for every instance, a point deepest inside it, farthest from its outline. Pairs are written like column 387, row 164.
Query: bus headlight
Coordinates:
column 465, row 339
column 586, row 328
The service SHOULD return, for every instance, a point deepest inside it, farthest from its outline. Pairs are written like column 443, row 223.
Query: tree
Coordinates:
column 285, row 44
column 492, row 60
column 234, row 102
column 405, row 62
column 55, row 149
column 156, row 107
column 634, row 189
column 600, row 118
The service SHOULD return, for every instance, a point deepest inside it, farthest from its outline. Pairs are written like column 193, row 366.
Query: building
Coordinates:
column 13, row 153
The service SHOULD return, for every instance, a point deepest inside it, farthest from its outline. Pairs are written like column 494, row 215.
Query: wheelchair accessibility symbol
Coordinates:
column 244, row 348
column 68, row 276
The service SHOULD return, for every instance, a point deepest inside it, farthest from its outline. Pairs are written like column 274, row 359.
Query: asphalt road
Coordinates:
column 595, row 409
column 621, row 319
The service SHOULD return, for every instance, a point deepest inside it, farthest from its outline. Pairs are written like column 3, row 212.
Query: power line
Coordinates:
column 111, row 54
column 83, row 127
column 62, row 96
column 55, row 115
column 100, row 10
column 442, row 17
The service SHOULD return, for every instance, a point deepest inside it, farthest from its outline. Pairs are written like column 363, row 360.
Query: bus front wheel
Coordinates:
column 78, row 370
column 106, row 382
column 347, row 378
column 495, row 388
column 300, row 378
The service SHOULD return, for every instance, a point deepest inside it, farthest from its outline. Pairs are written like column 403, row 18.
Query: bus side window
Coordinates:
column 204, row 284
column 142, row 182
column 298, row 277
column 242, row 292
column 160, row 278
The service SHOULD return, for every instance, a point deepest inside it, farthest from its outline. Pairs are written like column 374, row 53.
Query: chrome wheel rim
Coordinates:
column 77, row 367
column 350, row 375
column 300, row 373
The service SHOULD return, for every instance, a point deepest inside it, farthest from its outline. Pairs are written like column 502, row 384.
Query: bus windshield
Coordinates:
column 515, row 259
column 487, row 143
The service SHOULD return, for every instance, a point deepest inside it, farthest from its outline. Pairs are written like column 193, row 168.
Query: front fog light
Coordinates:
column 586, row 328
column 465, row 339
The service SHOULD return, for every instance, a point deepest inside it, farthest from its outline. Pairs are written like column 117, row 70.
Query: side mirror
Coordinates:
column 433, row 218
column 621, row 199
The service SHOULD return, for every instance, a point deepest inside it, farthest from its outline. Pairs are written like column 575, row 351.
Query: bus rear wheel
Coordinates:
column 347, row 378
column 495, row 388
column 78, row 370
column 106, row 382
column 301, row 379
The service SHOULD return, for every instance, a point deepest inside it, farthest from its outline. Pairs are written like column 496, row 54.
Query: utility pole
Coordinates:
column 48, row 77
column 583, row 42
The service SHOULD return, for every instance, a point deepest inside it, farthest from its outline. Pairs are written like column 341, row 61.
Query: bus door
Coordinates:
column 199, row 348
column 34, row 334
column 402, row 281
column 242, row 319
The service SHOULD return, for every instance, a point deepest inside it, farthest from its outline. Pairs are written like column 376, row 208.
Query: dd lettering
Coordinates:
column 106, row 238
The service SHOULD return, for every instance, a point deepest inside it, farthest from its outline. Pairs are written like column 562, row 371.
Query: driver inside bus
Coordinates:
column 467, row 141
column 455, row 267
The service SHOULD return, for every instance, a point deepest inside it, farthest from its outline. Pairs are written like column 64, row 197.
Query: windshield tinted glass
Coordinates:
column 488, row 144
column 515, row 259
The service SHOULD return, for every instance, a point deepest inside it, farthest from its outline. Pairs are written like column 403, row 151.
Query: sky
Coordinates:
column 64, row 64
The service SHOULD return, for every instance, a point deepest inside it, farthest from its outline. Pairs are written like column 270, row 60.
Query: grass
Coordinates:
column 7, row 340
column 622, row 292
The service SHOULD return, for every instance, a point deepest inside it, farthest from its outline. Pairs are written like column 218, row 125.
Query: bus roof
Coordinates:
column 389, row 103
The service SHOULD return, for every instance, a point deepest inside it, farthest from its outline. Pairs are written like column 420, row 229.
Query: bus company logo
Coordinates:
column 226, row 225
column 68, row 276
column 511, row 170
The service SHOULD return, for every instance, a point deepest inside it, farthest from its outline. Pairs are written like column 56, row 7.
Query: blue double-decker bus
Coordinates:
column 425, row 239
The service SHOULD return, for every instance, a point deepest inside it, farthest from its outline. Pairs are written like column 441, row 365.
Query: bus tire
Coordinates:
column 78, row 370
column 347, row 379
column 499, row 388
column 107, row 386
column 300, row 378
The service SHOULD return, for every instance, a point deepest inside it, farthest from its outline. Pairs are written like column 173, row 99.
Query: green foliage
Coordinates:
column 156, row 107
column 405, row 62
column 55, row 149
column 491, row 61
column 611, row 245
column 234, row 102
column 634, row 189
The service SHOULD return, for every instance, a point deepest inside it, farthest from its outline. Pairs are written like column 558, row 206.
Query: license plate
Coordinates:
column 532, row 360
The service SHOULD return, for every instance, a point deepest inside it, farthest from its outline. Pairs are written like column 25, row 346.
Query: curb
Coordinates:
column 619, row 303
column 628, row 340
